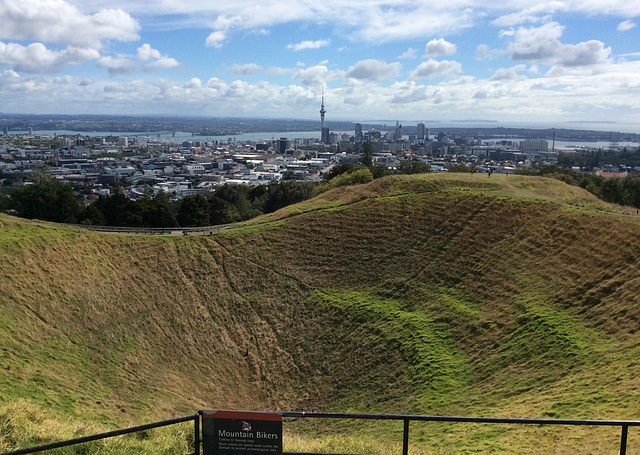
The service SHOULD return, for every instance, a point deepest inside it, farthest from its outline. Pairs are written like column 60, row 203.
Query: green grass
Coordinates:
column 438, row 369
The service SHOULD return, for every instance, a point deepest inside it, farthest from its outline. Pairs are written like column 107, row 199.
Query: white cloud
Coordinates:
column 538, row 12
column 541, row 45
column 484, row 52
column 72, row 81
column 439, row 47
column 36, row 58
column 314, row 76
column 227, row 22
column 165, row 62
column 278, row 71
column 193, row 83
column 626, row 26
column 244, row 70
column 215, row 39
column 58, row 21
column 507, row 33
column 309, row 45
column 146, row 53
column 409, row 92
column 10, row 81
column 373, row 70
column 117, row 65
column 434, row 68
column 509, row 74
column 154, row 58
column 409, row 53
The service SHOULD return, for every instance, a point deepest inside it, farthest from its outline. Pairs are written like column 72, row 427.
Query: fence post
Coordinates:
column 623, row 440
column 405, row 438
column 196, row 434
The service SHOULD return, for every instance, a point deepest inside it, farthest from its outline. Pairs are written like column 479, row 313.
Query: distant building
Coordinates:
column 282, row 145
column 422, row 132
column 326, row 136
column 534, row 146
column 5, row 131
column 358, row 132
column 397, row 134
column 442, row 137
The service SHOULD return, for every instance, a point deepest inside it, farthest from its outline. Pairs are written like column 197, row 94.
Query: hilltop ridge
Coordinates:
column 440, row 294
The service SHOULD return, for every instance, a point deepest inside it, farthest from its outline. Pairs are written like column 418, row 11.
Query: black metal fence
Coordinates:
column 110, row 434
column 406, row 419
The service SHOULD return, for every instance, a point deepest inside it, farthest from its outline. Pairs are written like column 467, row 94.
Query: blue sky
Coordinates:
column 525, row 61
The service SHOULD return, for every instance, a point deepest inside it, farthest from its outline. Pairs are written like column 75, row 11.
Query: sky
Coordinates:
column 418, row 60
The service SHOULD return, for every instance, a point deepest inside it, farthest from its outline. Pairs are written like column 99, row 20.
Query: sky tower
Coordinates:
column 324, row 132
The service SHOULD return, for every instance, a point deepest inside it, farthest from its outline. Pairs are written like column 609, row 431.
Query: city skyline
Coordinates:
column 523, row 62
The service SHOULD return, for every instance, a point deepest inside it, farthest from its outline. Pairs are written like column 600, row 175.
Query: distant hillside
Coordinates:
column 433, row 294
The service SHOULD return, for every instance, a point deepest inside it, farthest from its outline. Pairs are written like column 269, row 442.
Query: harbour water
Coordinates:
column 181, row 136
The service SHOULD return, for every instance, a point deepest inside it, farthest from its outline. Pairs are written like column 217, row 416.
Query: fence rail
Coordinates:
column 152, row 230
column 111, row 434
column 406, row 419
column 623, row 424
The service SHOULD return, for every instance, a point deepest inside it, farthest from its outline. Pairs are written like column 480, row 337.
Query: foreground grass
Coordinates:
column 24, row 424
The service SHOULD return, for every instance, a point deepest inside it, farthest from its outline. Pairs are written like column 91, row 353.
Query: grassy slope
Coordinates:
column 438, row 294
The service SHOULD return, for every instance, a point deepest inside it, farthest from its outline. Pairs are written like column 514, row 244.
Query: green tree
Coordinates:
column 119, row 210
column 91, row 215
column 611, row 190
column 366, row 157
column 631, row 190
column 380, row 171
column 221, row 211
column 239, row 196
column 157, row 211
column 413, row 166
column 45, row 198
column 286, row 193
column 194, row 211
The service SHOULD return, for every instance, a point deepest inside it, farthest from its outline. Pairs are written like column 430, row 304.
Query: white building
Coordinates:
column 534, row 146
column 128, row 170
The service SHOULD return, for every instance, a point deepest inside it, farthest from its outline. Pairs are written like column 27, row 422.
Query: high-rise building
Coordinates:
column 326, row 137
column 358, row 132
column 283, row 145
column 422, row 132
column 5, row 131
column 397, row 134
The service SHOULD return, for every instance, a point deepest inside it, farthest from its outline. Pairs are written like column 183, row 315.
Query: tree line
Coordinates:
column 46, row 198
